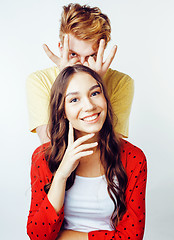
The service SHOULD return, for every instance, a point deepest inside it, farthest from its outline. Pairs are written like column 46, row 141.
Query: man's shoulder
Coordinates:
column 116, row 75
column 115, row 80
column 49, row 74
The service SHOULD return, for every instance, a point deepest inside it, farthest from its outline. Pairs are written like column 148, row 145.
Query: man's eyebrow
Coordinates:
column 85, row 56
column 75, row 93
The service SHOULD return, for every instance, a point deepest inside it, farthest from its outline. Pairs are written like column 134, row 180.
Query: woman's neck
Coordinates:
column 81, row 134
column 90, row 166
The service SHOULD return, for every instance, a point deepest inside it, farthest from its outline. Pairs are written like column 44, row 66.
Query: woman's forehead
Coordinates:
column 81, row 81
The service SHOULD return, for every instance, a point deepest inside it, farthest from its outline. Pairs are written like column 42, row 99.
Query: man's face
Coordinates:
column 79, row 49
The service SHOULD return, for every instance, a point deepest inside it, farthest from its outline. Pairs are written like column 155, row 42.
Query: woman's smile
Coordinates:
column 92, row 118
column 85, row 104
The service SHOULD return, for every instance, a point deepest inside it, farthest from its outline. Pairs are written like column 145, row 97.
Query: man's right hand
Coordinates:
column 64, row 60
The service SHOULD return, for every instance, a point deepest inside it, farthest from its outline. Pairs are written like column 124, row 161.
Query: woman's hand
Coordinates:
column 74, row 152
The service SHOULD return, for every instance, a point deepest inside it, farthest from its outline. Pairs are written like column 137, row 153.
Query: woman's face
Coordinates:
column 85, row 104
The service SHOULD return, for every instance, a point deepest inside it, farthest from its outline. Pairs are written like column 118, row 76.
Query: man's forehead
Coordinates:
column 82, row 47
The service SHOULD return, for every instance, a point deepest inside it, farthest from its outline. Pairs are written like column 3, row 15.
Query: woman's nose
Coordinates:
column 88, row 105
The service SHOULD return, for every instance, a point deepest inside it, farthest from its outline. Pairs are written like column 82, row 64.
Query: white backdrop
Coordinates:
column 143, row 31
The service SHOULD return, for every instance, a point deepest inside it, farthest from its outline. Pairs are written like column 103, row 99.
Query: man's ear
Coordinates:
column 60, row 46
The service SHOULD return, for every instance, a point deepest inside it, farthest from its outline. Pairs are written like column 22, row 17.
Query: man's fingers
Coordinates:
column 72, row 62
column 51, row 55
column 86, row 63
column 91, row 62
column 110, row 58
column 100, row 52
column 70, row 135
column 66, row 48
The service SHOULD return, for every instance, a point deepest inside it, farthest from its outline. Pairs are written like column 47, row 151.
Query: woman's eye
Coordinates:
column 95, row 93
column 73, row 100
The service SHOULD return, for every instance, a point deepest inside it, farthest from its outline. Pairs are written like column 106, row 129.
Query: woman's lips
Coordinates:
column 91, row 118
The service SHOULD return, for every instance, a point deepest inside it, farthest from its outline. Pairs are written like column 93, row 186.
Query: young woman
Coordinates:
column 86, row 183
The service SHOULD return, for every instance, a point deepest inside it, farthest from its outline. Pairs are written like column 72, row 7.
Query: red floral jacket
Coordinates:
column 45, row 223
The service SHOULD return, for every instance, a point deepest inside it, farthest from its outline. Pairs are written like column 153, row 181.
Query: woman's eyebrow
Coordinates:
column 72, row 93
column 95, row 86
column 75, row 93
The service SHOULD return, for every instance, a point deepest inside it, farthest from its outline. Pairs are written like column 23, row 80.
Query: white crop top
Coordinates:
column 88, row 206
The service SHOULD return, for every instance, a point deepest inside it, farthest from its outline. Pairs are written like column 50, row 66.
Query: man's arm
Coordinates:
column 43, row 134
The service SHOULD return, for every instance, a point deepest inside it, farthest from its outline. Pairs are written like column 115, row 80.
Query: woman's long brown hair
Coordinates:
column 109, row 144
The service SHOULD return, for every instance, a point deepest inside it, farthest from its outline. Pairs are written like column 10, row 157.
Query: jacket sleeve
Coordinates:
column 132, row 224
column 43, row 221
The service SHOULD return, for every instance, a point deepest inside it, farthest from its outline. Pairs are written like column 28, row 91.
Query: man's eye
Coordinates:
column 95, row 93
column 73, row 55
column 73, row 100
column 93, row 55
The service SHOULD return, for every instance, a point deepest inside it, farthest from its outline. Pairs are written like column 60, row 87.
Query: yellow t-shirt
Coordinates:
column 120, row 88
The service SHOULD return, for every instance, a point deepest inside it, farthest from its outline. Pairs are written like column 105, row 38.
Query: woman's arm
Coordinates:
column 75, row 150
column 133, row 222
column 46, row 211
column 43, row 221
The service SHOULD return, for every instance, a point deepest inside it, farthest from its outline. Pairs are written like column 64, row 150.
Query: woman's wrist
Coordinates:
column 56, row 193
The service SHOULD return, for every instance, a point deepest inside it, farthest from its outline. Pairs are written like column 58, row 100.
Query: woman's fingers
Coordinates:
column 83, row 139
column 70, row 135
column 84, row 147
column 79, row 141
column 83, row 154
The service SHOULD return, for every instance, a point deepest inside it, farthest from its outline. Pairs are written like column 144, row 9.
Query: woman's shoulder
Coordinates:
column 39, row 153
column 131, row 155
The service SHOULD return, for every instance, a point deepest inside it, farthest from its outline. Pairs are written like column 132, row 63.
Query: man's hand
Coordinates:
column 99, row 66
column 64, row 60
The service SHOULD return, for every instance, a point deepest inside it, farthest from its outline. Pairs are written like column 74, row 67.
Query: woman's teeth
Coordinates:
column 91, row 118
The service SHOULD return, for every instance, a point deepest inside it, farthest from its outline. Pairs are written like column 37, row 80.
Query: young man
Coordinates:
column 84, row 34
